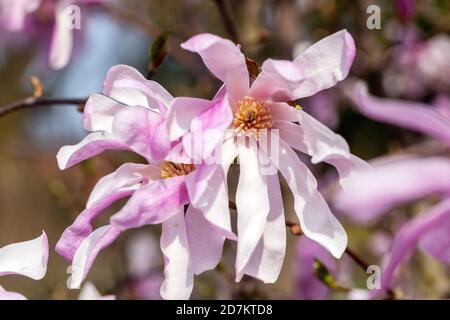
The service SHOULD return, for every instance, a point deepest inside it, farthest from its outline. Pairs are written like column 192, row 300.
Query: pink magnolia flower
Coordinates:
column 402, row 179
column 256, row 110
column 131, row 115
column 27, row 259
column 14, row 13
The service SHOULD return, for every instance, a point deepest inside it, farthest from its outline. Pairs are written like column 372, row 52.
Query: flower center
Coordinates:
column 172, row 169
column 251, row 116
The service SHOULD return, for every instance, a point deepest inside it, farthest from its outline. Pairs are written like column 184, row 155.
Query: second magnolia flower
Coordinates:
column 139, row 115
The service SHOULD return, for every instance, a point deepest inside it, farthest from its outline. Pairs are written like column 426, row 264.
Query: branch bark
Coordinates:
column 33, row 102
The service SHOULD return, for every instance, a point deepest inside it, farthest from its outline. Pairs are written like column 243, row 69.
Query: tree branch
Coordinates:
column 33, row 102
column 227, row 20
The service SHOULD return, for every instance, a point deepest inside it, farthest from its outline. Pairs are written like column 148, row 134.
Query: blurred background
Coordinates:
column 407, row 58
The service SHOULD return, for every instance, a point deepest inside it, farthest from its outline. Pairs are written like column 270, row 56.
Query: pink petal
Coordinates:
column 309, row 287
column 152, row 204
column 99, row 113
column 407, row 238
column 208, row 130
column 13, row 12
column 320, row 67
column 128, row 86
column 133, row 128
column 62, row 38
column 393, row 183
column 322, row 144
column 28, row 258
column 205, row 242
column 437, row 242
column 208, row 191
column 111, row 188
column 224, row 59
column 144, row 131
column 181, row 113
column 178, row 268
column 92, row 145
column 281, row 111
column 267, row 258
column 411, row 115
column 316, row 219
column 87, row 252
column 252, row 204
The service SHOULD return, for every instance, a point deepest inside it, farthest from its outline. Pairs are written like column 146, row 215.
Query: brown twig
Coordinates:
column 227, row 20
column 33, row 102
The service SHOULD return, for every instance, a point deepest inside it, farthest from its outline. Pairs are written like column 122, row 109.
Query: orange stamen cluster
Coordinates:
column 172, row 169
column 251, row 116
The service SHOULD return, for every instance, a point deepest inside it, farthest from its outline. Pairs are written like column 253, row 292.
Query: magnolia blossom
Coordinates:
column 14, row 13
column 131, row 115
column 258, row 110
column 402, row 179
column 27, row 259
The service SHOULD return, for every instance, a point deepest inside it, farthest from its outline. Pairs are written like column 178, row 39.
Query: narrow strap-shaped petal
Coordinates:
column 134, row 128
column 178, row 268
column 111, row 188
column 309, row 287
column 128, row 86
column 224, row 59
column 28, row 258
column 205, row 242
column 267, row 258
column 208, row 192
column 320, row 67
column 252, row 204
column 62, row 38
column 86, row 253
column 407, row 239
column 92, row 145
column 407, row 114
column 322, row 144
column 393, row 183
column 437, row 243
column 316, row 219
column 152, row 204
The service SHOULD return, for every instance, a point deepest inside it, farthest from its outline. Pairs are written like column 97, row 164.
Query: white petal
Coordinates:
column 252, row 205
column 267, row 259
column 316, row 219
column 28, row 258
column 178, row 270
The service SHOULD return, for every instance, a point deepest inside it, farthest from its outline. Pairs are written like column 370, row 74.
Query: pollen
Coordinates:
column 251, row 116
column 172, row 169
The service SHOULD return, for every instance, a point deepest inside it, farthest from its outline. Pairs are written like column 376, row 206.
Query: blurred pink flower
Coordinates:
column 418, row 66
column 14, row 14
column 27, row 259
column 131, row 116
column 309, row 287
column 259, row 110
column 411, row 115
column 429, row 231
